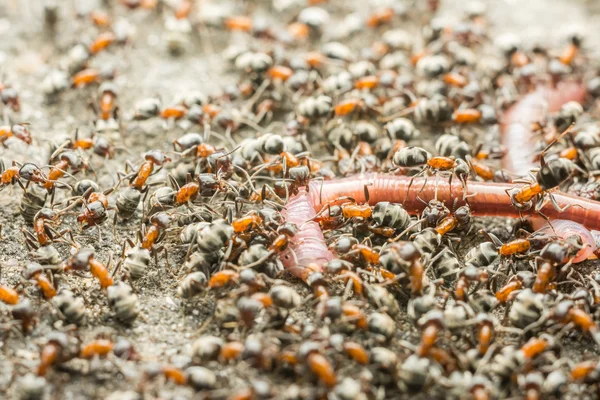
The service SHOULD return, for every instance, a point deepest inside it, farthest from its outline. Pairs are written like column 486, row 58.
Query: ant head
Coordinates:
column 161, row 219
column 46, row 213
column 157, row 157
column 31, row 172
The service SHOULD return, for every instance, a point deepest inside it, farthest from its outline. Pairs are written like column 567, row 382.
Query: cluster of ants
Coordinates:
column 403, row 290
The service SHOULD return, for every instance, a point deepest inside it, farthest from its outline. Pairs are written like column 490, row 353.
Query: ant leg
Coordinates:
column 191, row 247
column 99, row 233
column 408, row 190
column 154, row 255
column 62, row 234
column 129, row 165
column 145, row 190
column 419, row 193
column 348, row 289
column 548, row 221
column 524, row 181
column 144, row 203
column 59, row 149
column 141, row 233
column 53, row 191
column 173, row 181
column 167, row 258
column 557, row 206
column 30, row 239
column 22, row 186
column 493, row 238
column 507, row 191
column 114, row 228
column 117, row 268
column 263, row 194
column 408, row 229
column 187, row 152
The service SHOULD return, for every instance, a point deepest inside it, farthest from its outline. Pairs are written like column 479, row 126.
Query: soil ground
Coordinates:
column 168, row 326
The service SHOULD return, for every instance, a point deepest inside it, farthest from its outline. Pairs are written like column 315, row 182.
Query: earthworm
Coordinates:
column 486, row 199
column 516, row 137
column 308, row 245
column 565, row 228
column 516, row 128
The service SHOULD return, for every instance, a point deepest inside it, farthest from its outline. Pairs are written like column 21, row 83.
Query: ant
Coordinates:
column 469, row 275
column 550, row 175
column 99, row 145
column 459, row 219
column 45, row 233
column 349, row 208
column 18, row 131
column 83, row 260
column 554, row 254
column 95, row 207
column 410, row 156
column 149, row 236
column 91, row 75
column 30, row 172
column 139, row 178
column 523, row 279
column 68, row 159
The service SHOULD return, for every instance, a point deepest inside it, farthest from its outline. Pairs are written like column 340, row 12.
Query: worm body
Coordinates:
column 486, row 199
column 516, row 129
column 564, row 228
column 308, row 245
column 517, row 138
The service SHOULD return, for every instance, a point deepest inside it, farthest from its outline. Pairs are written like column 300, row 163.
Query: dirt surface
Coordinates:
column 167, row 326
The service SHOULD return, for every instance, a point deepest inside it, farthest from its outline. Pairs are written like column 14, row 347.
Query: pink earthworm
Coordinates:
column 565, row 228
column 516, row 128
column 486, row 199
column 518, row 140
column 308, row 245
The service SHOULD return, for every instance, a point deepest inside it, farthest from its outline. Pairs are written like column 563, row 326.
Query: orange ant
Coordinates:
column 89, row 76
column 103, row 40
column 30, row 172
column 99, row 145
column 97, row 348
column 554, row 254
column 467, row 116
column 45, row 233
column 550, row 175
column 108, row 96
column 83, row 260
column 18, row 131
column 159, row 222
column 67, row 160
column 8, row 295
column 469, row 275
column 459, row 219
column 432, row 323
column 251, row 220
column 36, row 272
column 516, row 283
column 138, row 179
